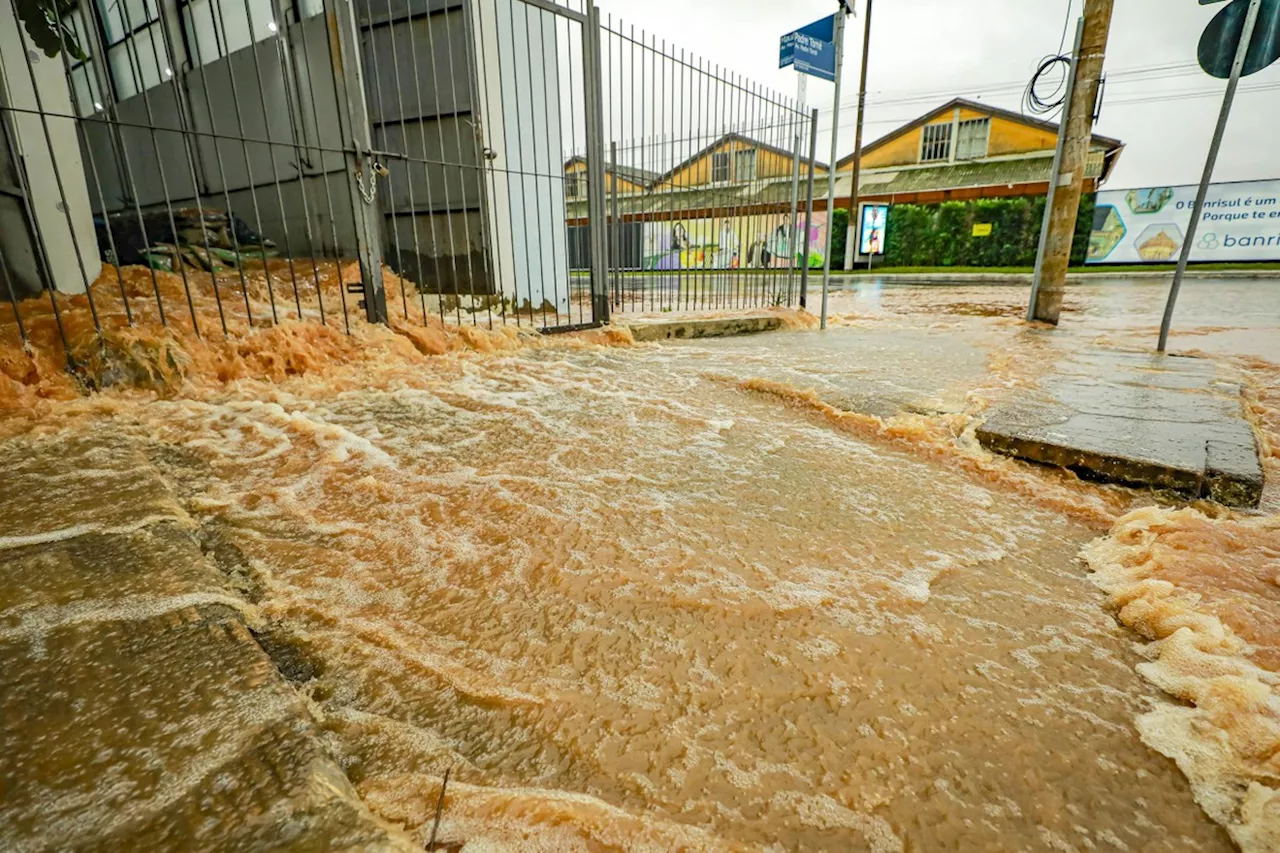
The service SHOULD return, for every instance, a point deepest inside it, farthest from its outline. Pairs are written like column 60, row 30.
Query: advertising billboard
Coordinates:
column 1240, row 222
column 873, row 219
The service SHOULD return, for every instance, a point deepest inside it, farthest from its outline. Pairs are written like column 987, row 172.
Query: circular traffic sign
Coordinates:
column 1221, row 38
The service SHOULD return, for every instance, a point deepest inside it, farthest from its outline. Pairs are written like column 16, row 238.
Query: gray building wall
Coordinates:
column 186, row 148
column 183, row 145
column 420, row 76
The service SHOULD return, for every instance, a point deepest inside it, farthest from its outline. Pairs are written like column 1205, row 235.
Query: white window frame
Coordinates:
column 721, row 167
column 137, row 57
column 741, row 156
column 217, row 28
column 972, row 152
column 936, row 142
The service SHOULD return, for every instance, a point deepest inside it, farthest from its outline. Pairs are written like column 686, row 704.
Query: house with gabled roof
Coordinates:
column 964, row 149
column 732, row 159
column 618, row 179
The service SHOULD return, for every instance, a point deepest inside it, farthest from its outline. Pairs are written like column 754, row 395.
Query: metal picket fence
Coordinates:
column 221, row 165
column 706, row 178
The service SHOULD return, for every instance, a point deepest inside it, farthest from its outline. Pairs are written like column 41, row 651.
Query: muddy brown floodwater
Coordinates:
column 696, row 596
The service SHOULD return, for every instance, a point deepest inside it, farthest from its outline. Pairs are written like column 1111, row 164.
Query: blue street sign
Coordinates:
column 811, row 49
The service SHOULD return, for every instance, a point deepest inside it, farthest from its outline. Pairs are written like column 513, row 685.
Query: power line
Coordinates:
column 1155, row 97
column 1147, row 74
column 1066, row 23
column 707, row 136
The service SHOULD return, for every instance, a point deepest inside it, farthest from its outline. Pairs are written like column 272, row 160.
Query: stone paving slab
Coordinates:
column 1141, row 419
column 100, row 576
column 173, row 732
column 57, row 489
column 137, row 711
column 679, row 328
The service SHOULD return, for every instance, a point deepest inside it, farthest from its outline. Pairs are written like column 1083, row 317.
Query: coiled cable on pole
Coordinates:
column 1035, row 100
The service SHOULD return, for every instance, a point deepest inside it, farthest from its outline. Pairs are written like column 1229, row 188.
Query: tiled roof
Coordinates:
column 973, row 173
column 634, row 174
column 876, row 183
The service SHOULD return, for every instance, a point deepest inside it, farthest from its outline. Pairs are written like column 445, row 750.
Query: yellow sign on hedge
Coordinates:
column 982, row 229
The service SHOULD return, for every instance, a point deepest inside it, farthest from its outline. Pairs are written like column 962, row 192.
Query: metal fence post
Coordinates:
column 596, row 224
column 362, row 171
column 615, row 225
column 808, row 207
column 792, row 231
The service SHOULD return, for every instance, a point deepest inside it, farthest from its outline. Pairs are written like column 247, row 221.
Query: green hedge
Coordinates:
column 941, row 235
column 839, row 237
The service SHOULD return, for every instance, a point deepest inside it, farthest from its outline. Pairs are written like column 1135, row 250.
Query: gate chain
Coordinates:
column 379, row 171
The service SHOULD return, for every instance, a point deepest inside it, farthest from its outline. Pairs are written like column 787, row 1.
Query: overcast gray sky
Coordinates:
column 925, row 52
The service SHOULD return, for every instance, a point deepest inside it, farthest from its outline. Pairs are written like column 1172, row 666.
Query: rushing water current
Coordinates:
column 658, row 597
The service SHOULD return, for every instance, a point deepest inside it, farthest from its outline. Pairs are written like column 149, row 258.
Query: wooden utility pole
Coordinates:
column 1077, row 124
column 854, row 216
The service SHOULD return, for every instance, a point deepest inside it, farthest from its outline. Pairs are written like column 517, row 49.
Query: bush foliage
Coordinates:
column 941, row 235
column 839, row 237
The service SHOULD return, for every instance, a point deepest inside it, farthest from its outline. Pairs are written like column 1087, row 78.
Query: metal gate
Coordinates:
column 219, row 165
column 475, row 186
column 708, row 173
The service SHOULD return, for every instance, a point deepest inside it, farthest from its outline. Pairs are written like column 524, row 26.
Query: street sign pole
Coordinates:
column 793, row 226
column 831, row 164
column 1237, row 68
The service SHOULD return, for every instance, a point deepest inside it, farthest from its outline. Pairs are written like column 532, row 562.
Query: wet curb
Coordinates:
column 1138, row 419
column 1073, row 277
column 702, row 327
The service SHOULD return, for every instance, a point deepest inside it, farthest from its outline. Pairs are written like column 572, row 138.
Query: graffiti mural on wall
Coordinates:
column 760, row 241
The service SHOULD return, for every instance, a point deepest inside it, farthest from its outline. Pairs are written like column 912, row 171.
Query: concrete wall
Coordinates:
column 20, row 269
column 295, row 107
column 41, row 151
column 180, row 143
column 423, row 97
column 294, row 191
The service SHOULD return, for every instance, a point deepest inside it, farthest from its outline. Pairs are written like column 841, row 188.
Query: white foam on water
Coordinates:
column 35, row 624
column 62, row 534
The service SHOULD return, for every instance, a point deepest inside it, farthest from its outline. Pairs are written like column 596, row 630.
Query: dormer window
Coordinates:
column 720, row 168
column 971, row 138
column 935, row 143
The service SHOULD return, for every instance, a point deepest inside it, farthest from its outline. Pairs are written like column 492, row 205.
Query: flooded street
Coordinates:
column 761, row 593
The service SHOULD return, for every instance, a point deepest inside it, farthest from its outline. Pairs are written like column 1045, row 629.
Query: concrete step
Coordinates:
column 677, row 328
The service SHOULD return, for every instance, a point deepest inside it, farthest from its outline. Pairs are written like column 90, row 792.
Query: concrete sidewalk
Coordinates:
column 1141, row 419
column 140, row 712
column 845, row 277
